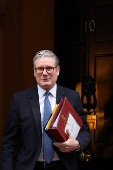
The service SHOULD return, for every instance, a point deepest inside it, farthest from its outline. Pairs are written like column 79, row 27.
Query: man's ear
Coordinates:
column 58, row 69
column 34, row 71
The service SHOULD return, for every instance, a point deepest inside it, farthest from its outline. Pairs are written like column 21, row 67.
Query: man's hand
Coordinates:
column 70, row 145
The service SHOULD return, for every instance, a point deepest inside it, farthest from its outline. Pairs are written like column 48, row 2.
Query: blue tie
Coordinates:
column 47, row 142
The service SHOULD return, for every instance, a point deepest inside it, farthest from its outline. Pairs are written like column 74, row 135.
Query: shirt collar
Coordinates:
column 53, row 90
column 41, row 91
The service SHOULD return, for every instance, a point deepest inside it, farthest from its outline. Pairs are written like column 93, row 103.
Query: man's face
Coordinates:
column 46, row 80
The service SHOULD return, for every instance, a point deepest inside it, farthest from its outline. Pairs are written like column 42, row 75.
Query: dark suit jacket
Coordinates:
column 23, row 127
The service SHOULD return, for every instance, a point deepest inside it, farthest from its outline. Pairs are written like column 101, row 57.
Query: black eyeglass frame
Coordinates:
column 49, row 70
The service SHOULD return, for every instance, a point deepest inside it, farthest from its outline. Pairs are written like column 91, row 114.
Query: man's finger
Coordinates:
column 68, row 133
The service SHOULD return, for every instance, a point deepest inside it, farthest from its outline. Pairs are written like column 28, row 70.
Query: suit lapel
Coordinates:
column 60, row 93
column 34, row 100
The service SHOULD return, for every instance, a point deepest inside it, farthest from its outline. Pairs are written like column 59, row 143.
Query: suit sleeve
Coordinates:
column 84, row 135
column 10, row 137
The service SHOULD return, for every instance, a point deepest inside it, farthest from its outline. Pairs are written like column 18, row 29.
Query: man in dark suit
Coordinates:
column 24, row 127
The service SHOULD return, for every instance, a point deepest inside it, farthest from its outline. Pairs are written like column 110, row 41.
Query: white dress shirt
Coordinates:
column 52, row 99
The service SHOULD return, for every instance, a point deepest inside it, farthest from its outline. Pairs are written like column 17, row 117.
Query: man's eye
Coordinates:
column 40, row 68
column 49, row 68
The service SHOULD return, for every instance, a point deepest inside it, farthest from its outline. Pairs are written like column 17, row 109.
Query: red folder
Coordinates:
column 64, row 117
column 57, row 112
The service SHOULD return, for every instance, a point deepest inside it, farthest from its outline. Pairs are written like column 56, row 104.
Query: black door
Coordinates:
column 84, row 43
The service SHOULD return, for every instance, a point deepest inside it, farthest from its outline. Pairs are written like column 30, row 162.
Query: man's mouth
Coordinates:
column 45, row 79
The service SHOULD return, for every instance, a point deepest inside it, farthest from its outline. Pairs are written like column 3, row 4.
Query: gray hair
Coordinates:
column 46, row 53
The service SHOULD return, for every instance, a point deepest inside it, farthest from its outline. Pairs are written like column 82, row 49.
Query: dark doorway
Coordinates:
column 84, row 44
column 69, row 41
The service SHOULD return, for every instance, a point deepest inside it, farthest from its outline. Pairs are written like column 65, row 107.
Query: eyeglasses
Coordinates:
column 49, row 70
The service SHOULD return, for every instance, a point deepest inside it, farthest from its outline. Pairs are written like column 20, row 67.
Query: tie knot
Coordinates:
column 47, row 93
